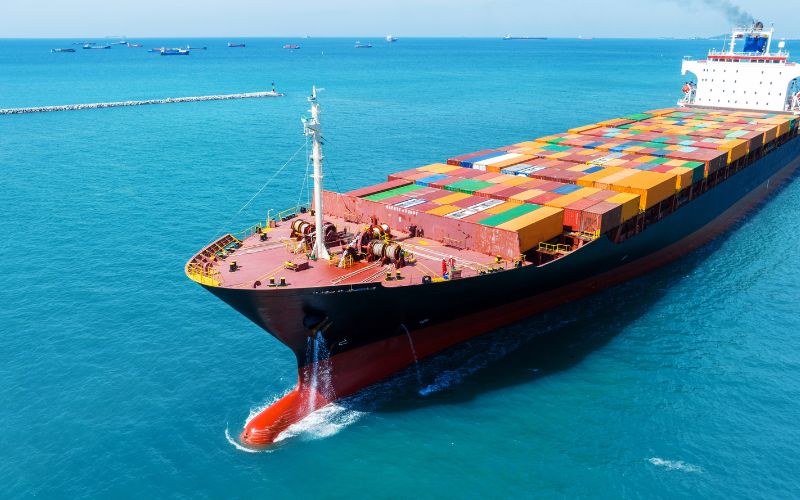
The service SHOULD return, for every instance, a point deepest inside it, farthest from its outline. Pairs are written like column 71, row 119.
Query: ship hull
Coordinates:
column 370, row 331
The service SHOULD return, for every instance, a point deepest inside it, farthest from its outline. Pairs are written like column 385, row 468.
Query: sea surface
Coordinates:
column 120, row 378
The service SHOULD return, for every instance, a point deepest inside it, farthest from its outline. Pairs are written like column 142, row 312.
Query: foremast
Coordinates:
column 313, row 129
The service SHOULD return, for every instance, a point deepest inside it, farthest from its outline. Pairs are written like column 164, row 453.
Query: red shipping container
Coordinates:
column 602, row 195
column 542, row 199
column 505, row 194
column 602, row 217
column 378, row 188
column 440, row 184
column 574, row 211
column 551, row 186
column 467, row 156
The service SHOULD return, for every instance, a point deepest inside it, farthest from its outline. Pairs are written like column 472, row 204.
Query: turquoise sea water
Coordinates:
column 120, row 378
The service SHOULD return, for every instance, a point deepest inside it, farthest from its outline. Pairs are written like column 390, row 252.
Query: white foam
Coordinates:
column 323, row 423
column 236, row 444
column 675, row 465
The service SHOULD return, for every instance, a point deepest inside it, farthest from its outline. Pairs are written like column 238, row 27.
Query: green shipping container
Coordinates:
column 392, row 192
column 468, row 186
column 508, row 215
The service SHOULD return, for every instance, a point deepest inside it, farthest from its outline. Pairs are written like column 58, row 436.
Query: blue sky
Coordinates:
column 285, row 18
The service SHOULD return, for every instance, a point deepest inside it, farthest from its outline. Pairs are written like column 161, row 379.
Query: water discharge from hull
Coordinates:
column 313, row 391
column 414, row 354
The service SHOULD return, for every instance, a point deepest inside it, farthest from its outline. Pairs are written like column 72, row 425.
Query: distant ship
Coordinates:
column 62, row 50
column 156, row 49
column 353, row 285
column 236, row 45
column 189, row 47
column 390, row 38
column 292, row 46
column 509, row 37
column 95, row 46
column 134, row 45
column 174, row 52
column 360, row 45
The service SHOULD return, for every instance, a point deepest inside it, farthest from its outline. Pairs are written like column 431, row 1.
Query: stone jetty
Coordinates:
column 98, row 105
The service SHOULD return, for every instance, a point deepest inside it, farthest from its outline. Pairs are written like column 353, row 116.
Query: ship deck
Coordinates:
column 283, row 256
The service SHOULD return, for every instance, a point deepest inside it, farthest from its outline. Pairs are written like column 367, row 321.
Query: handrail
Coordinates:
column 557, row 248
column 205, row 276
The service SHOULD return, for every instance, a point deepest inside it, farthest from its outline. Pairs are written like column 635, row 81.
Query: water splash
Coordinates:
column 675, row 465
column 323, row 423
column 236, row 444
column 317, row 377
column 413, row 353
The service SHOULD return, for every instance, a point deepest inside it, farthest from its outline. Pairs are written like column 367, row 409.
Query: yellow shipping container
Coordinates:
column 629, row 202
column 535, row 227
column 589, row 179
column 652, row 187
column 450, row 198
column 443, row 210
column 500, row 178
column 770, row 132
column 585, row 128
column 736, row 149
column 683, row 177
column 438, row 168
column 581, row 167
column 526, row 195
column 607, row 181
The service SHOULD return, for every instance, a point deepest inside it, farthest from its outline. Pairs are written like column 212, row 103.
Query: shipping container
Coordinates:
column 573, row 213
column 532, row 228
column 456, row 160
column 652, row 187
column 602, row 217
column 378, row 188
column 629, row 202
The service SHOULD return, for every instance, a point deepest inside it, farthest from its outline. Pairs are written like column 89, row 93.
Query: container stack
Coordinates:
column 593, row 178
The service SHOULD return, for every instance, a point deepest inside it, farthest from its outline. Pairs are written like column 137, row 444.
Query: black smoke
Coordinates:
column 734, row 13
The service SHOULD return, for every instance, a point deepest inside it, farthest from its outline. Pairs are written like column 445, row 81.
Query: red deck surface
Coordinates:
column 259, row 260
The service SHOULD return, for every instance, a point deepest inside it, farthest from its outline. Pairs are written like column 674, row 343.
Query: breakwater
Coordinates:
column 99, row 105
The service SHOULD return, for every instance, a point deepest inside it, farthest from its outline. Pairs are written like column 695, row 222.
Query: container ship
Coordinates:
column 362, row 284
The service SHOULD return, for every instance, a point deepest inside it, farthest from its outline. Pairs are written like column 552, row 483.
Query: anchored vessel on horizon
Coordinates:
column 362, row 284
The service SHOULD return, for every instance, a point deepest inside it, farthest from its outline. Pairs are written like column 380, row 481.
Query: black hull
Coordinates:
column 355, row 316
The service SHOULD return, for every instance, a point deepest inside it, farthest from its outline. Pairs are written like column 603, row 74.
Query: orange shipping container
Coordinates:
column 438, row 168
column 683, row 177
column 535, row 227
column 526, row 195
column 443, row 210
column 450, row 198
column 652, row 187
column 629, row 202
column 585, row 128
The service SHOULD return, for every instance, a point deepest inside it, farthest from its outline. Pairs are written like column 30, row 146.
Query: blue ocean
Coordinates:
column 121, row 378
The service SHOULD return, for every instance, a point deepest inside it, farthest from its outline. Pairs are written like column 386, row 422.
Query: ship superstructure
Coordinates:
column 362, row 284
column 748, row 74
